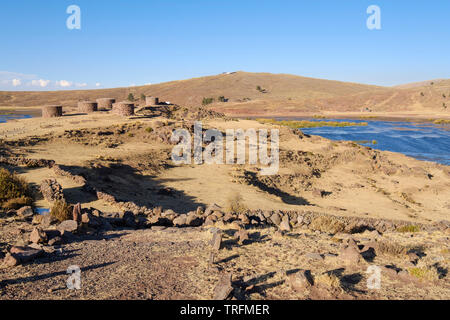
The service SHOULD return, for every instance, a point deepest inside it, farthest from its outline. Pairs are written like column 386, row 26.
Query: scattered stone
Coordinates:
column 158, row 228
column 350, row 254
column 91, row 220
column 242, row 236
column 216, row 241
column 223, row 288
column 300, row 281
column 314, row 256
column 38, row 236
column 285, row 225
column 55, row 241
column 76, row 214
column 180, row 221
column 68, row 225
column 25, row 212
column 25, row 254
column 10, row 260
column 194, row 220
column 275, row 218
column 47, row 220
column 210, row 209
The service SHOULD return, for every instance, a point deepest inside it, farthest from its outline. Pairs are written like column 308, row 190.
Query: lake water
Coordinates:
column 423, row 141
column 6, row 117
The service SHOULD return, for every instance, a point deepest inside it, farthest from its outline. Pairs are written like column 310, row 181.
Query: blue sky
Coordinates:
column 136, row 42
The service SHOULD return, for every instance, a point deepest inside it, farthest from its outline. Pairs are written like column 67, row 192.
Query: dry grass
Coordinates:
column 17, row 203
column 328, row 280
column 392, row 249
column 235, row 204
column 13, row 190
column 327, row 224
column 61, row 211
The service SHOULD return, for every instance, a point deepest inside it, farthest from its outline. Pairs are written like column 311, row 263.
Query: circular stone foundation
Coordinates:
column 51, row 111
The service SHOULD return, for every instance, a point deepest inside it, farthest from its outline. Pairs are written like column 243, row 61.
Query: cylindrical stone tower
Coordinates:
column 87, row 106
column 151, row 101
column 105, row 103
column 51, row 111
column 123, row 108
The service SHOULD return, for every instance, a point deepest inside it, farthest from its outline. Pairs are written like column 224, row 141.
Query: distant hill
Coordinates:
column 261, row 93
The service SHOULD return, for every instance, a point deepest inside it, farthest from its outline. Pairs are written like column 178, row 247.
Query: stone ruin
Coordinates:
column 87, row 106
column 52, row 111
column 123, row 108
column 151, row 101
column 105, row 103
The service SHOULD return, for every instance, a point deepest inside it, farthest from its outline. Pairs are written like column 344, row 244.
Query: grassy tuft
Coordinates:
column 424, row 273
column 391, row 249
column 235, row 204
column 327, row 224
column 408, row 228
column 61, row 211
column 12, row 188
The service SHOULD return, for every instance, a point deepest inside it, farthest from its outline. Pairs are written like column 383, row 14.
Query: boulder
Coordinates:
column 76, row 214
column 47, row 220
column 10, row 260
column 285, row 225
column 275, row 218
column 55, row 241
column 25, row 254
column 300, row 281
column 216, row 241
column 350, row 255
column 38, row 236
column 194, row 221
column 68, row 225
column 223, row 288
column 25, row 212
column 91, row 220
column 242, row 236
column 211, row 208
column 180, row 221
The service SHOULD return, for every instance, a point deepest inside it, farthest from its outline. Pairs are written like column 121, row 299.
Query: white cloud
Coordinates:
column 40, row 83
column 81, row 85
column 98, row 84
column 16, row 82
column 63, row 83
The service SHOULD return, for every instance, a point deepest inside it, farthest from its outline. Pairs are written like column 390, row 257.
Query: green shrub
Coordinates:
column 12, row 187
column 130, row 97
column 149, row 129
column 207, row 101
column 408, row 228
column 61, row 211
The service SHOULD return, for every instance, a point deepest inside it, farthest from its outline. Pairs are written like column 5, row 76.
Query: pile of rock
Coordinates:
column 51, row 190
